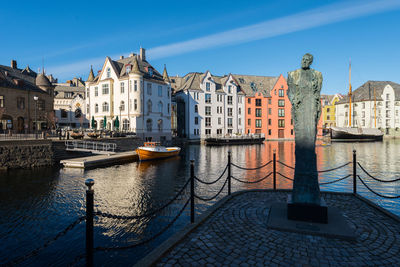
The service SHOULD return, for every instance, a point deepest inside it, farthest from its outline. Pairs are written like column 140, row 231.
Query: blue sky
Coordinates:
column 245, row 37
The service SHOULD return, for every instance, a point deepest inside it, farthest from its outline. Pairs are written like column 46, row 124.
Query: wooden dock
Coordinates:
column 100, row 160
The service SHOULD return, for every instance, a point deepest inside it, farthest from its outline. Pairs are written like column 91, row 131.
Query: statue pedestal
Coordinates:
column 307, row 212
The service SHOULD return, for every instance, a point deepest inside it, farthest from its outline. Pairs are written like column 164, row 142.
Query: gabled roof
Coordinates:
column 366, row 91
column 251, row 84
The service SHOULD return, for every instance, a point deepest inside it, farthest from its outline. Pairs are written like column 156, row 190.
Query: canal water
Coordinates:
column 38, row 204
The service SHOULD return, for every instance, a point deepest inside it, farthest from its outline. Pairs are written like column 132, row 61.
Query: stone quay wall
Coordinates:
column 25, row 154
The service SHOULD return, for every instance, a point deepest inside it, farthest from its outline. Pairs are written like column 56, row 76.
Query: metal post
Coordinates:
column 354, row 172
column 35, row 98
column 192, row 191
column 229, row 172
column 89, row 222
column 274, row 168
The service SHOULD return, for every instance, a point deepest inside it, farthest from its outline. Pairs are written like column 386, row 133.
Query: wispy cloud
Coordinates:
column 306, row 20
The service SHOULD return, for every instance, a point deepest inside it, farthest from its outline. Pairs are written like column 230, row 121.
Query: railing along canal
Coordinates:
column 90, row 213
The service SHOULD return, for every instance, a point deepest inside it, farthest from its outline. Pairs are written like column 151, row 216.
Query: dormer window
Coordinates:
column 150, row 71
column 108, row 72
column 208, row 87
column 229, row 89
column 128, row 68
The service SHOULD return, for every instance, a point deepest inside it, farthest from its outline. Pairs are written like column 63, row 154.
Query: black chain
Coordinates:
column 209, row 199
column 376, row 179
column 380, row 195
column 204, row 182
column 45, row 245
column 332, row 182
column 149, row 239
column 290, row 167
column 329, row 170
column 252, row 182
column 284, row 176
column 146, row 215
column 249, row 169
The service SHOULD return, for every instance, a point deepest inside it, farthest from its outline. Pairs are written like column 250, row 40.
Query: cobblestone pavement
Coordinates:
column 236, row 235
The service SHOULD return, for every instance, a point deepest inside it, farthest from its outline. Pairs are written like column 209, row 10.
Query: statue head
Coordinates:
column 306, row 61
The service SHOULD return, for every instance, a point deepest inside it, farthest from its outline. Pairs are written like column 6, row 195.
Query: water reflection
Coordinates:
column 36, row 205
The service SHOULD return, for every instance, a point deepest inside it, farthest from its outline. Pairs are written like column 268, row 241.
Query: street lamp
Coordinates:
column 36, row 100
column 120, row 119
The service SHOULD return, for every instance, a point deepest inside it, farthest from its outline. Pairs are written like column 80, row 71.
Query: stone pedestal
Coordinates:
column 307, row 212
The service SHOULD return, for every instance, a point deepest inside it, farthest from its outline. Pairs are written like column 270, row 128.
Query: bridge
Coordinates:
column 90, row 146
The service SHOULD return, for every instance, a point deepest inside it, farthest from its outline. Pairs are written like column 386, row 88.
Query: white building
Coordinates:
column 69, row 104
column 209, row 105
column 131, row 90
column 373, row 97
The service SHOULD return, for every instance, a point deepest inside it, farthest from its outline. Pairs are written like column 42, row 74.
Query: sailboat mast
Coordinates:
column 350, row 94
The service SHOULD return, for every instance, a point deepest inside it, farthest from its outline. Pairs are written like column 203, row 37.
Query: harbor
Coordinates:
column 140, row 187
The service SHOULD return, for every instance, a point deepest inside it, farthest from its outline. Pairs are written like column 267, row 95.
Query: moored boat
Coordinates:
column 153, row 150
column 355, row 134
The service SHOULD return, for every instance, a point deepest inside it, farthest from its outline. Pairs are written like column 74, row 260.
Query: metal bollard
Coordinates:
column 229, row 172
column 354, row 172
column 274, row 169
column 89, row 222
column 192, row 191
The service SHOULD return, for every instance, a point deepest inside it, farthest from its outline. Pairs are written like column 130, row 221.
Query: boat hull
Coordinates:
column 151, row 155
column 350, row 135
column 233, row 141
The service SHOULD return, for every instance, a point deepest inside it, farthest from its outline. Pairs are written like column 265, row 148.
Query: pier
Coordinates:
column 100, row 160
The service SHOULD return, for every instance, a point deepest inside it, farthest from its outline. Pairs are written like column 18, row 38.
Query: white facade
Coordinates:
column 363, row 112
column 140, row 100
column 214, row 108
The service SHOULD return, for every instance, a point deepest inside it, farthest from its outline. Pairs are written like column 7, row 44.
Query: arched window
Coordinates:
column 160, row 125
column 160, row 107
column 96, row 108
column 149, row 106
column 105, row 107
column 122, row 106
column 108, row 72
column 149, row 125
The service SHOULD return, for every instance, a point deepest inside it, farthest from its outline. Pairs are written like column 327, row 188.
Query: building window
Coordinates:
column 159, row 90
column 230, row 122
column 219, row 121
column 249, row 100
column 269, row 132
column 207, row 98
column 230, row 100
column 21, row 103
column 269, row 121
column 96, row 108
column 291, row 121
column 96, row 91
column 249, row 111
column 281, row 112
column 219, row 131
column 122, row 106
column 281, row 93
column 328, row 110
column 196, row 108
column 291, row 131
column 281, row 103
column 208, row 121
column 105, row 89
column 229, row 89
column 149, row 106
column 269, row 101
column 387, row 96
column 105, row 107
column 122, row 87
column 167, row 91
column 87, row 109
column 160, row 107
column 208, row 87
column 108, row 72
column 269, row 111
column 208, row 131
column 64, row 113
column 249, row 122
column 41, row 104
column 149, row 125
column 208, row 110
column 229, row 111
column 387, row 104
column 240, row 111
column 258, row 102
column 258, row 112
column 135, row 103
column 258, row 123
column 149, row 88
column 281, row 123
column 196, row 120
column 125, row 125
column 135, row 84
column 328, row 118
column 168, row 108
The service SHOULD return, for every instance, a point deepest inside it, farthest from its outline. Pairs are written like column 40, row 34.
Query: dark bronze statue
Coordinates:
column 304, row 87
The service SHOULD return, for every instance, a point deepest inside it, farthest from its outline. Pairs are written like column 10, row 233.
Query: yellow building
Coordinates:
column 329, row 109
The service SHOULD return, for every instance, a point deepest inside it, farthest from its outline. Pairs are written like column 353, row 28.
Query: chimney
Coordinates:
column 143, row 54
column 121, row 57
column 131, row 54
column 13, row 64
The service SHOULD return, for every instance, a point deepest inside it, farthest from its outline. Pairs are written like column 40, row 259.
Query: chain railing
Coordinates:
column 90, row 213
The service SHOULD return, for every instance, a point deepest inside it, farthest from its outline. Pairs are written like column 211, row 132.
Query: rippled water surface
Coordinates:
column 38, row 204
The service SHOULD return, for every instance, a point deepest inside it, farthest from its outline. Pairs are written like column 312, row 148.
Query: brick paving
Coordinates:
column 236, row 235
